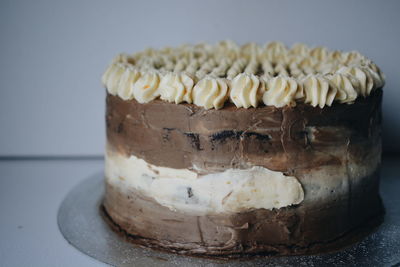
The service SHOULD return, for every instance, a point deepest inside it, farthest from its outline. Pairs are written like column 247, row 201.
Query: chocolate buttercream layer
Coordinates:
column 288, row 139
column 304, row 228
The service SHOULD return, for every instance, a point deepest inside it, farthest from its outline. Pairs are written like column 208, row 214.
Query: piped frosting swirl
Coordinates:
column 246, row 90
column 210, row 92
column 176, row 88
column 248, row 75
column 318, row 91
column 282, row 91
column 146, row 87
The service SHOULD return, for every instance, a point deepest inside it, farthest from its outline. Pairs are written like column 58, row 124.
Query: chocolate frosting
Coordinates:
column 287, row 139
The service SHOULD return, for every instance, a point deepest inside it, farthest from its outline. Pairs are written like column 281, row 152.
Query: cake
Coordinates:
column 227, row 150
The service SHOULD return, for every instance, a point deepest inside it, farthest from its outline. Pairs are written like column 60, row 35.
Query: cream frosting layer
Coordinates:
column 199, row 74
column 233, row 190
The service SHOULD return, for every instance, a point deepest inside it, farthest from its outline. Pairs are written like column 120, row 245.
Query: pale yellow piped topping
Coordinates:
column 318, row 91
column 345, row 85
column 365, row 80
column 281, row 91
column 172, row 74
column 146, row 87
column 111, row 78
column 210, row 93
column 127, row 80
column 176, row 88
column 246, row 90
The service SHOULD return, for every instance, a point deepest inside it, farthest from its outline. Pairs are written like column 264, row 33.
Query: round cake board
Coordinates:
column 82, row 225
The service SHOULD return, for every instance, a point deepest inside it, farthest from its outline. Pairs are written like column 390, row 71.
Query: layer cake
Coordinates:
column 227, row 150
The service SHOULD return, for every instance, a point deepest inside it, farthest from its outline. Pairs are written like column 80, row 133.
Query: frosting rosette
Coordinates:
column 210, row 93
column 282, row 91
column 246, row 90
column 145, row 89
column 176, row 88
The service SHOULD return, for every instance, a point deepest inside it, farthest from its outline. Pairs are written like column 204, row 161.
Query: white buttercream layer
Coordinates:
column 183, row 190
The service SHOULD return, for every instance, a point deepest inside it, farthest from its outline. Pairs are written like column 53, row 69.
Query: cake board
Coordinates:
column 82, row 225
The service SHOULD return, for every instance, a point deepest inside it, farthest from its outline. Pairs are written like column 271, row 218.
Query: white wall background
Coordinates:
column 52, row 54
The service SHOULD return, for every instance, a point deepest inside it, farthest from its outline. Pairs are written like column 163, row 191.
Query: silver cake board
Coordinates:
column 82, row 225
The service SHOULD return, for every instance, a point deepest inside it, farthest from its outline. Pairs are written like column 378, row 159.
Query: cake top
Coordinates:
column 249, row 76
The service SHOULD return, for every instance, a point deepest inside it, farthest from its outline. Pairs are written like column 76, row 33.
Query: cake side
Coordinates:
column 304, row 175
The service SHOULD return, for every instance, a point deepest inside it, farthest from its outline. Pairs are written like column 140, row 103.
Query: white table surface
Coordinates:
column 31, row 192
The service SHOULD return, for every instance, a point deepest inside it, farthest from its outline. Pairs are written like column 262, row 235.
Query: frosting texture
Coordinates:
column 248, row 75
